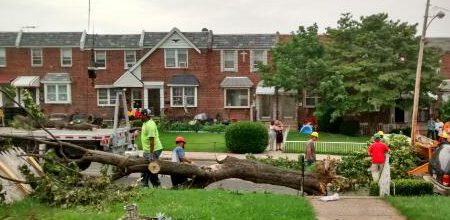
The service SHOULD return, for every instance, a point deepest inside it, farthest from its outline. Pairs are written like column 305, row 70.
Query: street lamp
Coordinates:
column 414, row 129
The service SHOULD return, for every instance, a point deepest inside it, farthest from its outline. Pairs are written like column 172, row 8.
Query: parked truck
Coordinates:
column 115, row 140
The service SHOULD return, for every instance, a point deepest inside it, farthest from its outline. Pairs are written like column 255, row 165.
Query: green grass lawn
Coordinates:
column 178, row 204
column 195, row 141
column 426, row 207
column 326, row 137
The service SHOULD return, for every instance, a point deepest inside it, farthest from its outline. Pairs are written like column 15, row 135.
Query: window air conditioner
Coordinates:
column 182, row 64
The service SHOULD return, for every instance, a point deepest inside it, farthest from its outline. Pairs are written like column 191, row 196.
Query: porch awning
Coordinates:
column 57, row 78
column 26, row 81
column 264, row 90
column 236, row 82
column 183, row 79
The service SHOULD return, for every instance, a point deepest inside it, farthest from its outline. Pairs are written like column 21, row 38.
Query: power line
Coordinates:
column 445, row 9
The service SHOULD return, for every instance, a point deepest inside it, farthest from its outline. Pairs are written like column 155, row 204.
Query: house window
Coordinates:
column 136, row 97
column 183, row 96
column 130, row 58
column 229, row 60
column 36, row 57
column 100, row 59
column 66, row 56
column 106, row 96
column 310, row 99
column 57, row 93
column 257, row 57
column 2, row 57
column 237, row 98
column 176, row 58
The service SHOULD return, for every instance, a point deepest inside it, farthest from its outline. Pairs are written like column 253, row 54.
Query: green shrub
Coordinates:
column 280, row 162
column 246, row 137
column 215, row 128
column 405, row 187
column 405, row 131
column 136, row 123
column 356, row 166
column 350, row 128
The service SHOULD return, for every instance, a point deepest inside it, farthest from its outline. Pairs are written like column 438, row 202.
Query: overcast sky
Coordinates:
column 222, row 16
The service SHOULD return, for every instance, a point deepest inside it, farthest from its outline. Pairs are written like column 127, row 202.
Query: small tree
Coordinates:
column 296, row 64
column 372, row 65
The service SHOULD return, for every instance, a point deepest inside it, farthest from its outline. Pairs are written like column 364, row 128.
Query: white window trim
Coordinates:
column 235, row 88
column 108, row 94
column 184, row 98
column 125, row 59
column 95, row 59
column 42, row 57
column 176, row 58
column 133, row 99
column 69, row 93
column 62, row 57
column 222, row 60
column 316, row 99
column 252, row 68
column 6, row 61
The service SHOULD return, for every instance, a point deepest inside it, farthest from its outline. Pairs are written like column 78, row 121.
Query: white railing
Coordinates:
column 324, row 147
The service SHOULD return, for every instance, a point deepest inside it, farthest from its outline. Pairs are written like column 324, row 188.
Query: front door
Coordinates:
column 265, row 107
column 154, row 101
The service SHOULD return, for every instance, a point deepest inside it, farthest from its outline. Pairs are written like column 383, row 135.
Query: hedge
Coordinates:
column 405, row 187
column 246, row 137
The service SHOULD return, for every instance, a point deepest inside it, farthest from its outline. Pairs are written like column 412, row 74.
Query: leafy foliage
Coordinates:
column 280, row 162
column 444, row 111
column 405, row 187
column 214, row 128
column 64, row 186
column 371, row 64
column 356, row 166
column 246, row 137
column 296, row 64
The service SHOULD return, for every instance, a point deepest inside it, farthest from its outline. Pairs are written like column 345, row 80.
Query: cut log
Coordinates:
column 200, row 177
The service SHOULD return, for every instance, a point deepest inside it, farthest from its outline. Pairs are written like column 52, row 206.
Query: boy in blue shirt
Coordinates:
column 178, row 156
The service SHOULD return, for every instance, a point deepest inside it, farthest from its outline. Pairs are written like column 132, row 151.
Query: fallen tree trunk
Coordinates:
column 200, row 177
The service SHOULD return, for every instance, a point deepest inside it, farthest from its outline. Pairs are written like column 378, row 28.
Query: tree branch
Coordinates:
column 14, row 180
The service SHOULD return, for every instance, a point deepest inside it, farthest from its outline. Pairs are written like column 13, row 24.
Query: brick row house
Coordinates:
column 173, row 73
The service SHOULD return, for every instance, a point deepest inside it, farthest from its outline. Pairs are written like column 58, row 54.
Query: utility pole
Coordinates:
column 414, row 128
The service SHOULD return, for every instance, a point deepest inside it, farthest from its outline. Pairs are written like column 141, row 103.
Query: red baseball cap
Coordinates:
column 180, row 139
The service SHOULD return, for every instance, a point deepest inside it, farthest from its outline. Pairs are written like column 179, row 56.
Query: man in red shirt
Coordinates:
column 377, row 151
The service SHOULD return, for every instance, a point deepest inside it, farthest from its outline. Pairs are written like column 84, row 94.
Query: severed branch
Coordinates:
column 14, row 180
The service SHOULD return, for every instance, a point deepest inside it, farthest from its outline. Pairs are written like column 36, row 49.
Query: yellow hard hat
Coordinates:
column 315, row 134
column 444, row 135
column 381, row 133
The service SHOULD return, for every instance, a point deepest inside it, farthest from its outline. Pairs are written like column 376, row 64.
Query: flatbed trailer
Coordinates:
column 115, row 140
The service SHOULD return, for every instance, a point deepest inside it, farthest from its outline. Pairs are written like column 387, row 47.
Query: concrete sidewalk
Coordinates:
column 356, row 208
column 207, row 156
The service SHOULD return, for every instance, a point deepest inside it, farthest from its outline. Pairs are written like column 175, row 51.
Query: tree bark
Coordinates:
column 200, row 177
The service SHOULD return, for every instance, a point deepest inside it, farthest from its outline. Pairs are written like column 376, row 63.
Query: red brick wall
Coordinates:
column 205, row 66
column 445, row 65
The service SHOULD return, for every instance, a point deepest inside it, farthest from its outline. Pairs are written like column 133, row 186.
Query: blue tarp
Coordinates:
column 306, row 129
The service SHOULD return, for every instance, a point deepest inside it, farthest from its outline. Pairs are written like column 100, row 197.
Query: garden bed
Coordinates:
column 178, row 204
